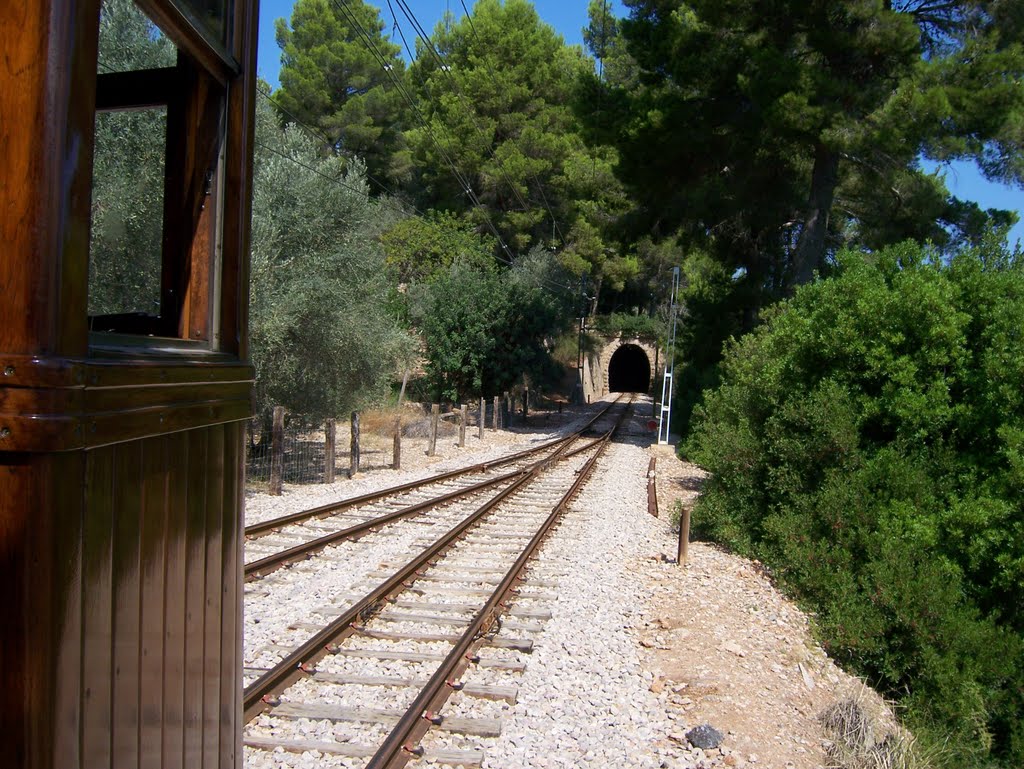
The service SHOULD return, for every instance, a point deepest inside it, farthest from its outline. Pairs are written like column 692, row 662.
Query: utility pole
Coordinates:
column 579, row 395
column 667, row 385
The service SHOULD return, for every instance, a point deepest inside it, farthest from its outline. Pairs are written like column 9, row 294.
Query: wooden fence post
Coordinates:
column 652, row 487
column 482, row 419
column 435, row 413
column 496, row 416
column 684, row 536
column 330, row 434
column 277, row 452
column 462, row 425
column 354, row 468
column 526, row 404
column 396, row 454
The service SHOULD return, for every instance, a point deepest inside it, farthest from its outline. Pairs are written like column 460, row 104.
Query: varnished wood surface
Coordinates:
column 136, row 89
column 238, row 175
column 46, row 157
column 193, row 39
column 120, row 458
column 194, row 125
column 126, row 652
column 64, row 405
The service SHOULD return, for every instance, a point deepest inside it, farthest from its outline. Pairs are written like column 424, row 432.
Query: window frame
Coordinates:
column 195, row 92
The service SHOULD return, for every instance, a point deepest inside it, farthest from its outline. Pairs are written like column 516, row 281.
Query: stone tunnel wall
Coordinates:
column 597, row 363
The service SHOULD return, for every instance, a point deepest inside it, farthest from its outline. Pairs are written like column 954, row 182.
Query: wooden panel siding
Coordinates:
column 154, row 545
column 121, row 454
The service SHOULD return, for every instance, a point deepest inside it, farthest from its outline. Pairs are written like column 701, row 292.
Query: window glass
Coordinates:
column 158, row 134
column 129, row 40
column 125, row 248
column 126, row 235
column 209, row 13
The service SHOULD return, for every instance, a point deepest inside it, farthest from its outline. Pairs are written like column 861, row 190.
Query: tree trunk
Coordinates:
column 810, row 249
column 401, row 393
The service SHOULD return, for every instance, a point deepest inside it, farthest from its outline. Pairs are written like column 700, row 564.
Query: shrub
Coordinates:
column 630, row 326
column 868, row 443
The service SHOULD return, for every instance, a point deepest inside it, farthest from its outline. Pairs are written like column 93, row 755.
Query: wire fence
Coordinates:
column 304, row 449
column 305, row 454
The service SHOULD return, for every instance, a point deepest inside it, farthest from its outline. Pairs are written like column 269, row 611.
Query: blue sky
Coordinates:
column 569, row 17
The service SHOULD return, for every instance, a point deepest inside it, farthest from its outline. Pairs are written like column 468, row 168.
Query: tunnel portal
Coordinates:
column 629, row 370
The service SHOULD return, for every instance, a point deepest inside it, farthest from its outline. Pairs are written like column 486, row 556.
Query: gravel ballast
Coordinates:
column 585, row 698
column 627, row 655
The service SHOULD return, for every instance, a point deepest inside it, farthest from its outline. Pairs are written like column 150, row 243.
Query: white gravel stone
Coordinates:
column 583, row 700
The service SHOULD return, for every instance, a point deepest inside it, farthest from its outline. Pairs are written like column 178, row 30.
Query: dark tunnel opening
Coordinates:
column 629, row 370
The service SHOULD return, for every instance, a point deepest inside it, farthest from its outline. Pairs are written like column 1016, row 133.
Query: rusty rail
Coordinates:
column 265, row 565
column 397, row 748
column 257, row 696
column 261, row 693
column 266, row 527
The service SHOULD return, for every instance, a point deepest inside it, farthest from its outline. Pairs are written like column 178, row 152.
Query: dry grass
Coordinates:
column 861, row 739
column 381, row 421
column 415, row 421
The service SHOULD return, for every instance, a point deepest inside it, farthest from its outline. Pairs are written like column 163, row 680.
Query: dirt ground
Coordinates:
column 734, row 653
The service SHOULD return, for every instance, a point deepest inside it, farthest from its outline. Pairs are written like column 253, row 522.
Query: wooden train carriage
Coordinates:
column 123, row 389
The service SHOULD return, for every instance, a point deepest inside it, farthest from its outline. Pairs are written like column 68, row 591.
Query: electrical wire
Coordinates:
column 401, row 89
column 446, row 69
column 401, row 209
column 321, row 135
column 460, row 177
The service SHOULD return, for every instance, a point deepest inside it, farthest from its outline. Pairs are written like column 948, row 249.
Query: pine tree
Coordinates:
column 338, row 73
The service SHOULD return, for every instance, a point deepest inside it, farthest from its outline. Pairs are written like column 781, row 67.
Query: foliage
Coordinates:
column 484, row 329
column 805, row 121
column 416, row 248
column 332, row 80
column 126, row 233
column 630, row 326
column 499, row 130
column 712, row 313
column 322, row 341
column 866, row 443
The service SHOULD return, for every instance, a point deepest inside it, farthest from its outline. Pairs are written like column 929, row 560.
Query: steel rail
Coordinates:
column 263, row 566
column 289, row 669
column 266, row 527
column 396, row 749
column 258, row 696
column 267, row 564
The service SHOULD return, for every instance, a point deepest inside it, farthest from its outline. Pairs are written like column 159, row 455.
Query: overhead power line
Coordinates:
column 497, row 86
column 446, row 69
column 319, row 135
column 342, row 6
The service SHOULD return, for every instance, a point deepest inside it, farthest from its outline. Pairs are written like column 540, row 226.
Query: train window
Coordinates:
column 156, row 166
column 127, row 216
column 210, row 14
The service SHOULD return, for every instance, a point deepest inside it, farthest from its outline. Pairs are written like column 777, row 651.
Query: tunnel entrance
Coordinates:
column 629, row 370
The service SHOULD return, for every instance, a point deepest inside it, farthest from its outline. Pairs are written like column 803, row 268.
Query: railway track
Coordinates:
column 465, row 599
column 274, row 543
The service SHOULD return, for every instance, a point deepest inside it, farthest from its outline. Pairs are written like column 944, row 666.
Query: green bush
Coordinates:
column 630, row 326
column 867, row 442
